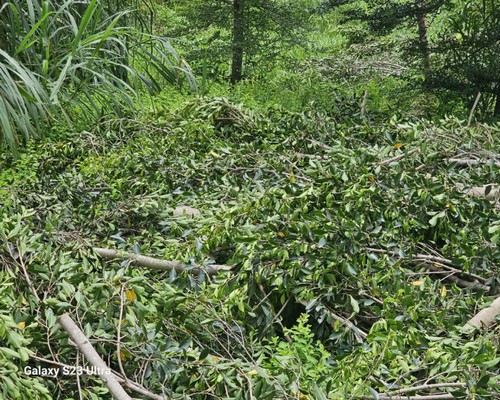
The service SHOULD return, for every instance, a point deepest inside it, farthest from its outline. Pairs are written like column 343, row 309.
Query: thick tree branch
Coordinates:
column 155, row 263
column 471, row 162
column 486, row 317
column 134, row 386
column 488, row 192
column 101, row 369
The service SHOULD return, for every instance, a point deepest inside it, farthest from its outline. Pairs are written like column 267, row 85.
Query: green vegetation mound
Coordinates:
column 349, row 256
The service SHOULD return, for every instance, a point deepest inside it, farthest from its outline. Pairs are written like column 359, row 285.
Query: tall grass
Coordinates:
column 65, row 58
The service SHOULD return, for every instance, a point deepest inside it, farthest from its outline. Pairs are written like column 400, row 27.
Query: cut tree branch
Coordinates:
column 155, row 263
column 427, row 387
column 438, row 264
column 488, row 192
column 473, row 109
column 455, row 279
column 471, row 162
column 102, row 370
column 484, row 318
column 134, row 386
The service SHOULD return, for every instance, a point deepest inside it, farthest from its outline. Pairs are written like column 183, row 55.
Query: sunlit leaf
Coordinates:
column 130, row 294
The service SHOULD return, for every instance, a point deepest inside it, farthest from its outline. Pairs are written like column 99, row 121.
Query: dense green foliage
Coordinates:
column 351, row 201
column 296, row 203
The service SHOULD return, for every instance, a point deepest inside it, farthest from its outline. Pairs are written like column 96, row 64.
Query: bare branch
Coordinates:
column 155, row 263
column 440, row 396
column 102, row 370
column 119, row 334
column 471, row 162
column 428, row 387
column 134, row 386
column 26, row 275
column 437, row 264
column 486, row 317
column 476, row 102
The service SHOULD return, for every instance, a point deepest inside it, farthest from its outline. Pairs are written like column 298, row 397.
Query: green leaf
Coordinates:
column 204, row 353
column 9, row 353
column 491, row 363
column 354, row 304
column 374, row 393
column 483, row 382
column 433, row 220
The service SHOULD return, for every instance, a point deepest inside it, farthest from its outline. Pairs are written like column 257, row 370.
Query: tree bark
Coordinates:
column 484, row 318
column 93, row 358
column 422, row 36
column 238, row 37
column 155, row 263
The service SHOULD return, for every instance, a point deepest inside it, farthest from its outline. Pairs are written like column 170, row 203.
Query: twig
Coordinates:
column 447, row 264
column 435, row 263
column 363, row 103
column 319, row 144
column 427, row 387
column 301, row 176
column 155, row 263
column 93, row 358
column 441, row 261
column 458, row 281
column 78, row 382
column 276, row 316
column 119, row 335
column 471, row 114
column 26, row 275
column 440, row 396
column 399, row 157
column 250, row 390
column 358, row 333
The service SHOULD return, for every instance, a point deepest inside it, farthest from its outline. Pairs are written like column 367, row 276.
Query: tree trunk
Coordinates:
column 238, row 37
column 422, row 36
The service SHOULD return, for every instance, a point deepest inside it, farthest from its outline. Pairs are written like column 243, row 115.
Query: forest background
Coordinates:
column 250, row 199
